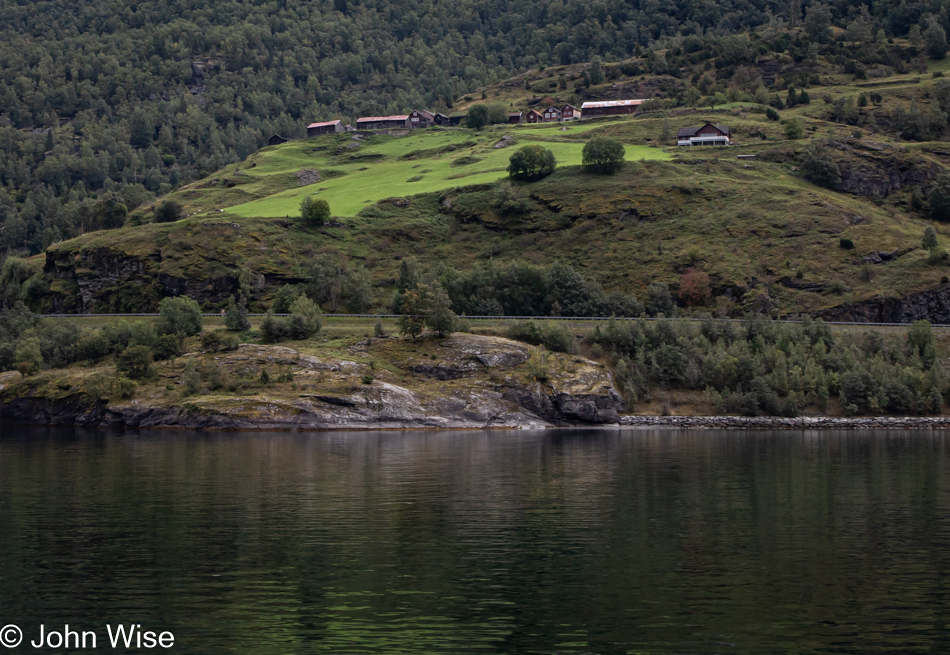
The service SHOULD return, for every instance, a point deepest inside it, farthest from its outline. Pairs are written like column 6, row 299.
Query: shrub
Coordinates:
column 477, row 117
column 314, row 211
column 819, row 167
column 136, row 362
column 123, row 387
column 305, row 318
column 531, row 163
column 235, row 316
column 695, row 288
column 771, row 114
column 845, row 243
column 284, row 298
column 793, row 129
column 378, row 329
column 603, row 155
column 168, row 212
column 558, row 337
column 527, row 331
column 191, row 378
column 167, row 346
column 179, row 315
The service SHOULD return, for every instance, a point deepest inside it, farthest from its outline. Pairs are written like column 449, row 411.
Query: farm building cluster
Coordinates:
column 421, row 118
column 707, row 134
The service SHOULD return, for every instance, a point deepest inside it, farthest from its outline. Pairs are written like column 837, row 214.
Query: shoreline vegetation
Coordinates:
column 431, row 369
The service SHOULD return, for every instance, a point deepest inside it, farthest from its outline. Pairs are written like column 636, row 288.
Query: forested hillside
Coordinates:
column 104, row 107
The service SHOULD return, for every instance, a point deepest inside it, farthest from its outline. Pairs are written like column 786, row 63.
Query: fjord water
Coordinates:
column 595, row 541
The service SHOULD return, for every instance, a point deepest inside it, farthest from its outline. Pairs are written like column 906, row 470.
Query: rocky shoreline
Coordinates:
column 783, row 423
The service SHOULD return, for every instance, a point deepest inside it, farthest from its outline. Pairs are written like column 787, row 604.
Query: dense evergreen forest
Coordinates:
column 105, row 106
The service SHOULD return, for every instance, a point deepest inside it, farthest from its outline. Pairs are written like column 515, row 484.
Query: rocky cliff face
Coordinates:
column 932, row 305
column 472, row 382
column 876, row 170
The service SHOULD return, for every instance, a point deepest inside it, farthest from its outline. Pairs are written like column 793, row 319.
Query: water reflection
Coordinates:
column 483, row 542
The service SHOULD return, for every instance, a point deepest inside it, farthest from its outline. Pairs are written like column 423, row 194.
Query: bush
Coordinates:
column 191, row 378
column 235, row 316
column 284, row 298
column 793, row 129
column 695, row 288
column 167, row 346
column 305, row 317
column 531, row 163
column 314, row 211
column 526, row 331
column 168, row 212
column 771, row 114
column 477, row 117
column 136, row 362
column 179, row 315
column 845, row 243
column 558, row 337
column 819, row 167
column 603, row 155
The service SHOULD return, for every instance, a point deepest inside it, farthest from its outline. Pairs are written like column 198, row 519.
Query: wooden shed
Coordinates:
column 515, row 118
column 533, row 117
column 329, row 127
column 382, row 122
column 610, row 107
column 276, row 140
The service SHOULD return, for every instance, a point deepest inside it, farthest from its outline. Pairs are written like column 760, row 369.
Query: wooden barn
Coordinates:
column 610, row 107
column 276, row 140
column 533, row 117
column 440, row 119
column 570, row 113
column 515, row 118
column 457, row 118
column 329, row 127
column 421, row 118
column 382, row 122
column 704, row 135
column 551, row 114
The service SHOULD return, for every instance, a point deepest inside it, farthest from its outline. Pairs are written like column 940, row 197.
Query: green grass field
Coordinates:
column 380, row 167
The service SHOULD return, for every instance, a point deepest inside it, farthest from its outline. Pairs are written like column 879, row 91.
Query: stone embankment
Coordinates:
column 780, row 423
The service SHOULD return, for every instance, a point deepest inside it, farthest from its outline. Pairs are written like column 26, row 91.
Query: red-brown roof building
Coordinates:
column 329, row 127
column 551, row 114
column 421, row 118
column 515, row 118
column 533, row 117
column 382, row 122
column 610, row 107
column 570, row 112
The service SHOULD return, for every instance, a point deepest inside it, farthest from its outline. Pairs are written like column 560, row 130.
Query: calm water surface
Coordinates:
column 482, row 542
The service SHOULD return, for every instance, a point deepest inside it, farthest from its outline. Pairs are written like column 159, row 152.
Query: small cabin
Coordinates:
column 400, row 121
column 610, row 107
column 276, row 140
column 457, row 118
column 570, row 113
column 515, row 118
column 533, row 116
column 329, row 127
column 421, row 118
column 440, row 119
column 551, row 114
column 708, row 134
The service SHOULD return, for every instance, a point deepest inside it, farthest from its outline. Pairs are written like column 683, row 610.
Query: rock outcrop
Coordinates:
column 932, row 305
column 464, row 381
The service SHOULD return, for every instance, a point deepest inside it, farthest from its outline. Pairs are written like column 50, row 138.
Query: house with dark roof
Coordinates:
column 514, row 118
column 276, row 140
column 551, row 114
column 533, row 116
column 421, row 118
column 705, row 135
column 328, row 127
column 570, row 112
column 610, row 107
column 382, row 122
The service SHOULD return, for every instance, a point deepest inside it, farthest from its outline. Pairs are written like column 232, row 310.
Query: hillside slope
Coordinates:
column 769, row 239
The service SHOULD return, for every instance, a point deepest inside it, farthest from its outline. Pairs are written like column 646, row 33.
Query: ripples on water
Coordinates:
column 483, row 542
